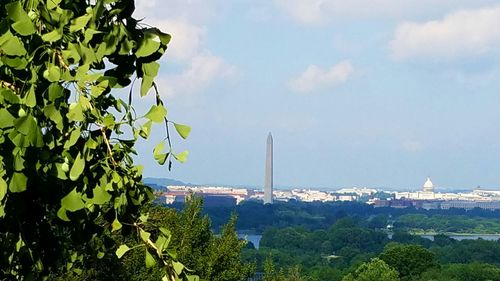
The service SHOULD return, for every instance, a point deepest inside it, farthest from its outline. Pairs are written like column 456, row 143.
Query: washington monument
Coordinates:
column 268, row 184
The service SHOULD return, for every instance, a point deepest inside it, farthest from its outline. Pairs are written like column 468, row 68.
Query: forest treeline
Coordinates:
column 253, row 217
column 339, row 251
column 352, row 248
column 215, row 257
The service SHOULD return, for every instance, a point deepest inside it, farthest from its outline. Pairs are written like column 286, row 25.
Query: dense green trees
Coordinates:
column 463, row 272
column 374, row 270
column 292, row 274
column 253, row 216
column 331, row 254
column 451, row 224
column 409, row 260
column 212, row 257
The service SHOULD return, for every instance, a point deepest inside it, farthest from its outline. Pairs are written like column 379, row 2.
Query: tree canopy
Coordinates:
column 375, row 270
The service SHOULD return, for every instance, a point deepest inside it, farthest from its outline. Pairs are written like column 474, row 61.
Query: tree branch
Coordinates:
column 106, row 140
column 10, row 86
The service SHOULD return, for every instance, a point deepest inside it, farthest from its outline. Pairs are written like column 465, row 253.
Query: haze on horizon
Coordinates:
column 362, row 93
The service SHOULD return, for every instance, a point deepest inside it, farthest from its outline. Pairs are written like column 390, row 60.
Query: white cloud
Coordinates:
column 187, row 39
column 412, row 145
column 314, row 77
column 186, row 21
column 324, row 11
column 461, row 33
column 202, row 70
column 304, row 11
column 196, row 11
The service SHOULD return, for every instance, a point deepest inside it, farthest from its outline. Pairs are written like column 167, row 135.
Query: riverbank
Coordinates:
column 433, row 233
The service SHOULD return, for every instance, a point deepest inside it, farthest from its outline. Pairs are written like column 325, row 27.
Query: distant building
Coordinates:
column 428, row 186
column 268, row 182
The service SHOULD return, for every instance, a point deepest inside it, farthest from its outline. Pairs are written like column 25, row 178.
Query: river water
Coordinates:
column 492, row 237
column 255, row 239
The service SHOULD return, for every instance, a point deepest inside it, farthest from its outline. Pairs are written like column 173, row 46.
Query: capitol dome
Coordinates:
column 428, row 186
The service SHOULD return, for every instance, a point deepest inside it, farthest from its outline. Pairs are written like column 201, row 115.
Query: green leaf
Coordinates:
column 72, row 201
column 193, row 278
column 100, row 255
column 158, row 153
column 143, row 217
column 18, row 182
column 6, row 119
column 9, row 96
column 3, row 188
column 116, row 225
column 89, row 33
column 20, row 243
column 157, row 113
column 31, row 97
column 51, row 112
column 59, row 170
column 145, row 129
column 77, row 168
column 146, row 84
column 122, row 250
column 73, row 138
column 183, row 130
column 162, row 243
column 52, row 36
column 150, row 70
column 55, row 91
column 24, row 28
column 178, row 267
column 100, row 196
column 144, row 235
column 79, row 22
column 182, row 157
column 25, row 124
column 97, row 90
column 11, row 45
column 147, row 47
column 19, row 139
column 15, row 11
column 164, row 37
column 22, row 23
column 51, row 4
column 165, row 231
column 18, row 63
column 150, row 261
column 52, row 73
column 18, row 162
column 61, row 213
column 75, row 112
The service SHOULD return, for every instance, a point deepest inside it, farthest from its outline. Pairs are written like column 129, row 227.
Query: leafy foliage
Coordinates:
column 212, row 257
column 253, row 216
column 330, row 254
column 293, row 274
column 450, row 224
column 375, row 270
column 409, row 260
column 67, row 135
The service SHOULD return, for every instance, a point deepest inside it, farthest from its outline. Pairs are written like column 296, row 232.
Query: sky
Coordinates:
column 375, row 93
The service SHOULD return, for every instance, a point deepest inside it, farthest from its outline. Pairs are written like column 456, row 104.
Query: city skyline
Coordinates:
column 354, row 101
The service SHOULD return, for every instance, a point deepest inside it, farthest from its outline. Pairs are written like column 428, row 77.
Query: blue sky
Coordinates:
column 379, row 93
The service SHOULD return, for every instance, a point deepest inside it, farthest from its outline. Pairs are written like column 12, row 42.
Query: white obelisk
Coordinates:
column 268, row 184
